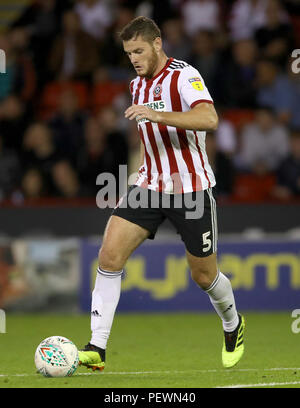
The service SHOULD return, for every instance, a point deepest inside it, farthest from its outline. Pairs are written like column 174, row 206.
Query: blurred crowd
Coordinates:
column 63, row 96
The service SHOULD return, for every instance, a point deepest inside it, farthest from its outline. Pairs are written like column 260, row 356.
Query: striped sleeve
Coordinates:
column 131, row 87
column 192, row 87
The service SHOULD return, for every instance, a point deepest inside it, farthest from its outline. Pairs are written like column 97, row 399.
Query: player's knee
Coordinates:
column 202, row 277
column 110, row 260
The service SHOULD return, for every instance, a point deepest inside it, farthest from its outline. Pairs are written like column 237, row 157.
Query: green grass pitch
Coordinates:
column 157, row 351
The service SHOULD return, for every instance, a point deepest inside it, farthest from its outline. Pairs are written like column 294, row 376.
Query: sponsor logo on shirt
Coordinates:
column 159, row 106
column 196, row 84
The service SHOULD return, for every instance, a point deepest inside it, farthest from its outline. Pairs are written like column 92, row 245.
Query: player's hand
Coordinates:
column 139, row 112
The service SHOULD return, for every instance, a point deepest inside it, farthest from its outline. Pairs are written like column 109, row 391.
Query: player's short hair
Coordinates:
column 140, row 26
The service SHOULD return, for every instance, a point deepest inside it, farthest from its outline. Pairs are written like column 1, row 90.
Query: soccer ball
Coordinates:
column 56, row 356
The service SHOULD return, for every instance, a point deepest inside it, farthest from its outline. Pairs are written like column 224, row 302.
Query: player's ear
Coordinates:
column 157, row 44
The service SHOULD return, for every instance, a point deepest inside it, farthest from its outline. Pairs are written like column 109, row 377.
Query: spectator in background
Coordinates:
column 288, row 172
column 106, row 91
column 68, row 125
column 74, row 54
column 41, row 21
column 292, row 6
column 116, row 139
column 9, row 171
column 200, row 15
column 33, row 185
column 105, row 149
column 275, row 89
column 246, row 17
column 152, row 9
column 236, row 79
column 94, row 158
column 66, row 182
column 40, row 151
column 14, row 119
column 275, row 38
column 222, row 166
column 95, row 17
column 264, row 143
column 176, row 44
column 111, row 48
column 225, row 137
column 24, row 83
column 20, row 75
column 206, row 58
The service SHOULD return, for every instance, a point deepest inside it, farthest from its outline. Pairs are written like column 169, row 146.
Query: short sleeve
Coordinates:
column 192, row 87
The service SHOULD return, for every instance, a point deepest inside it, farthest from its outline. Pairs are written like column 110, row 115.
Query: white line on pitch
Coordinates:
column 169, row 372
column 199, row 371
column 260, row 384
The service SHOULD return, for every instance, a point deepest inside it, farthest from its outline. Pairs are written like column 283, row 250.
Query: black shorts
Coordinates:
column 196, row 225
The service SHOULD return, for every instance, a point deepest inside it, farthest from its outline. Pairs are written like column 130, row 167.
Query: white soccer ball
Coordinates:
column 56, row 356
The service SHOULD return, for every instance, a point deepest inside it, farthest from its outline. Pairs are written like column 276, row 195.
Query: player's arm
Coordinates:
column 203, row 116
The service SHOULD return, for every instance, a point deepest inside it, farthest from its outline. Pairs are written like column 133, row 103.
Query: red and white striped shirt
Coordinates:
column 175, row 159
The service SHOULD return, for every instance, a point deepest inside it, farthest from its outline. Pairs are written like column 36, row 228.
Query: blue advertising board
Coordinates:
column 264, row 276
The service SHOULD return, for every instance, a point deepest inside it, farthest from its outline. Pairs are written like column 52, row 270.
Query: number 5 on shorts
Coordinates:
column 206, row 241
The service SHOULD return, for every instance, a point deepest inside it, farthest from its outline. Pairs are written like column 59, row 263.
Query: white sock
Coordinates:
column 222, row 298
column 105, row 298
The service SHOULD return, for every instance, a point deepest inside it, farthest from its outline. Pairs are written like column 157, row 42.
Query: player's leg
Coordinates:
column 200, row 238
column 199, row 235
column 127, row 228
column 120, row 239
column 205, row 273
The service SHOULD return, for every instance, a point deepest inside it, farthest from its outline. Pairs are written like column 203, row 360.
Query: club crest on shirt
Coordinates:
column 196, row 84
column 157, row 91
